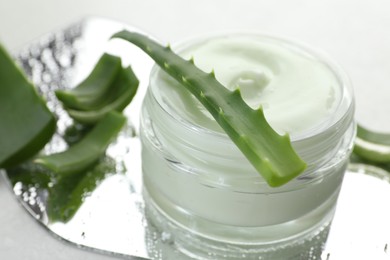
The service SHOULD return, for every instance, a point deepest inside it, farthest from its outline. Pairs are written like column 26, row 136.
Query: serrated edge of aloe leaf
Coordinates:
column 272, row 155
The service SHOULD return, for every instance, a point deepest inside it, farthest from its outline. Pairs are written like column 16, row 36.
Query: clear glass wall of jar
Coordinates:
column 201, row 190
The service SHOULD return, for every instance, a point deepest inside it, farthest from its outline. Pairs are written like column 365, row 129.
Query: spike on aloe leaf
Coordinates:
column 166, row 66
column 212, row 74
column 270, row 153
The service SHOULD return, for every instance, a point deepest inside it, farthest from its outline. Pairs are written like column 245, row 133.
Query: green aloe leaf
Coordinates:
column 270, row 153
column 88, row 150
column 26, row 124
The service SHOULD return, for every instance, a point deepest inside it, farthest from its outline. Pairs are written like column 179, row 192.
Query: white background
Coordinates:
column 355, row 33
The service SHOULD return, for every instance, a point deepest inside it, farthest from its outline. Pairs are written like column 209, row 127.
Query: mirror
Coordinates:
column 109, row 213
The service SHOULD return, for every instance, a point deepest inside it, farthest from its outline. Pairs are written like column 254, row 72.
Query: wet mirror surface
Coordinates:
column 107, row 211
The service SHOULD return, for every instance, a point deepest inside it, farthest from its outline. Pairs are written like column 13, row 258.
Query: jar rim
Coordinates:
column 317, row 148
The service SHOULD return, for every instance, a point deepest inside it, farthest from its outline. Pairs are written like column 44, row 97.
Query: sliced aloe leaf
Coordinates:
column 120, row 95
column 90, row 92
column 372, row 146
column 270, row 153
column 85, row 153
column 26, row 124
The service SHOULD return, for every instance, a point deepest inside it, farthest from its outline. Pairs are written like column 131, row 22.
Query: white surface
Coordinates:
column 355, row 33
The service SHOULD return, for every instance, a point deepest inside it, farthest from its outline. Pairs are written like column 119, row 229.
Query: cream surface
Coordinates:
column 296, row 90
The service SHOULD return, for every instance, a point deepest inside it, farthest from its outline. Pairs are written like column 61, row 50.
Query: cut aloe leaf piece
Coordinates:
column 92, row 91
column 26, row 124
column 372, row 146
column 270, row 153
column 85, row 153
column 120, row 95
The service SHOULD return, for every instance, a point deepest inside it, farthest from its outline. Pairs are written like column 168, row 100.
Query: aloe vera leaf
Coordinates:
column 91, row 91
column 85, row 153
column 372, row 146
column 270, row 153
column 121, row 93
column 26, row 124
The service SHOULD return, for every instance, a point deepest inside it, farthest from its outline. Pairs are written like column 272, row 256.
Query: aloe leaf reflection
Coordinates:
column 63, row 196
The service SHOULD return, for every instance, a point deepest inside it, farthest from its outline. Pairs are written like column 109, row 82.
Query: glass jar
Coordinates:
column 201, row 190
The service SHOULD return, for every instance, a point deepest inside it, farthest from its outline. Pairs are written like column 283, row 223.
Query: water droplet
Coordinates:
column 32, row 201
column 166, row 237
column 18, row 188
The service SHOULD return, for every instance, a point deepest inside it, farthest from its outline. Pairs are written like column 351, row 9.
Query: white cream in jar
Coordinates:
column 197, row 178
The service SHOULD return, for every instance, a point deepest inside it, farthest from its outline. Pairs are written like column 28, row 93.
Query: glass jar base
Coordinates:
column 170, row 240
